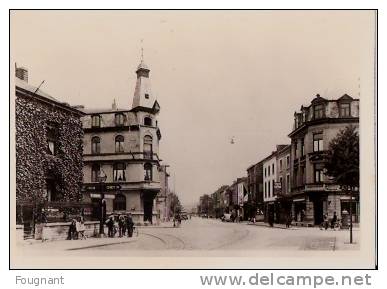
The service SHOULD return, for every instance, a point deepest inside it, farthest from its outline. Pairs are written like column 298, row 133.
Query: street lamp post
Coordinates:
column 350, row 216
column 101, row 180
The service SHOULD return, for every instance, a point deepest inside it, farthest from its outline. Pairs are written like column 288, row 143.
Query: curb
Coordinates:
column 100, row 245
column 274, row 227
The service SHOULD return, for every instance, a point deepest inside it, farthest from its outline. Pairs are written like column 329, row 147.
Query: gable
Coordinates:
column 345, row 97
column 318, row 99
column 156, row 107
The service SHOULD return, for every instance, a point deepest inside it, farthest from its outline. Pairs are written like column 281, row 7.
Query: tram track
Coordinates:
column 170, row 242
column 239, row 236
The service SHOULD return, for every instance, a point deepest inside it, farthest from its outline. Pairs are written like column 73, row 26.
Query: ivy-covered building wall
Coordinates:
column 36, row 161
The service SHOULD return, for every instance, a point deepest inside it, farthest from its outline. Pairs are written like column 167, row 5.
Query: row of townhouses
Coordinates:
column 226, row 199
column 290, row 182
column 65, row 153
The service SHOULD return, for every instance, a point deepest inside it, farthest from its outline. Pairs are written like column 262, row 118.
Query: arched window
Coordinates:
column 119, row 203
column 96, row 120
column 119, row 172
column 119, row 119
column 119, row 144
column 147, row 121
column 94, row 172
column 148, row 147
column 148, row 176
column 95, row 145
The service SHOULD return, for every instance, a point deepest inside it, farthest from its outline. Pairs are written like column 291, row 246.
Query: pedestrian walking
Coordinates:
column 271, row 219
column 129, row 225
column 121, row 225
column 72, row 230
column 302, row 215
column 125, row 219
column 110, row 225
column 178, row 220
column 80, row 227
column 288, row 220
column 334, row 220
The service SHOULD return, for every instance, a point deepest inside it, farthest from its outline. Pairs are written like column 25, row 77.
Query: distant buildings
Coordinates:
column 206, row 205
column 255, row 187
column 271, row 185
column 123, row 143
column 48, row 154
column 290, row 184
column 219, row 198
column 283, row 184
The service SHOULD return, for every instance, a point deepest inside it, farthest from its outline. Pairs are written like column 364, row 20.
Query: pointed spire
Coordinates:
column 114, row 105
column 142, row 67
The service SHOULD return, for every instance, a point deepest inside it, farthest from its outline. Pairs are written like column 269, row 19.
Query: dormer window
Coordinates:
column 95, row 121
column 345, row 109
column 146, row 95
column 147, row 121
column 318, row 111
column 119, row 119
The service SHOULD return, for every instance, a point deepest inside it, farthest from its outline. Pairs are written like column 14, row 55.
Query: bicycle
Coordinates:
column 337, row 225
column 324, row 225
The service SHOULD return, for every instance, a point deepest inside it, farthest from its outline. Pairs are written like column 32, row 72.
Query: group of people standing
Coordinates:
column 123, row 224
column 77, row 229
column 333, row 223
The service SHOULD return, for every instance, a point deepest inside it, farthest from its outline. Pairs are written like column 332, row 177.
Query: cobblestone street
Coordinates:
column 202, row 234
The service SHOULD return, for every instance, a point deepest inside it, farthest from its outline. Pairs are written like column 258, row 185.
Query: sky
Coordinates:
column 216, row 74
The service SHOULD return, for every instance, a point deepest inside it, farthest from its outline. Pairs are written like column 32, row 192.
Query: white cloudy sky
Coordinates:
column 216, row 74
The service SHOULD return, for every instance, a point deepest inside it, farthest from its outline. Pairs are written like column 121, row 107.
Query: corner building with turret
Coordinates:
column 123, row 144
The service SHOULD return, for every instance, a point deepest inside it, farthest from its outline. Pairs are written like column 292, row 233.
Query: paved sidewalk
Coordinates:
column 78, row 244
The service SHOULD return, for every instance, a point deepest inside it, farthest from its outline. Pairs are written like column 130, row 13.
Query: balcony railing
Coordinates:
column 148, row 155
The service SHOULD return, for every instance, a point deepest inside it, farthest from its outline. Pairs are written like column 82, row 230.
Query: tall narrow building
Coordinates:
column 123, row 144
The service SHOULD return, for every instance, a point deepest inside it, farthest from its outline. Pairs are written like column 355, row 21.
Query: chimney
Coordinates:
column 22, row 73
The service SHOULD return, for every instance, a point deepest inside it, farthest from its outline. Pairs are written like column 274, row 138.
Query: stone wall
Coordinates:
column 19, row 234
column 59, row 231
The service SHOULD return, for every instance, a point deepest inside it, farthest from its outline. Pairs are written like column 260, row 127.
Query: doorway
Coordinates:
column 318, row 206
column 148, row 208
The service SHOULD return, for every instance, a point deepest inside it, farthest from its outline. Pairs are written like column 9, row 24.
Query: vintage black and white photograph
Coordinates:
column 193, row 139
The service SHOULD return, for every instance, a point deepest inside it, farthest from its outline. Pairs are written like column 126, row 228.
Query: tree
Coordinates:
column 175, row 206
column 343, row 163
